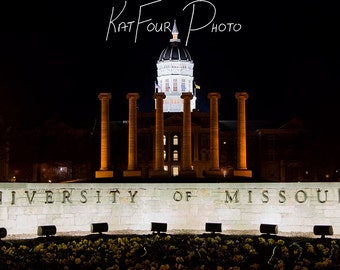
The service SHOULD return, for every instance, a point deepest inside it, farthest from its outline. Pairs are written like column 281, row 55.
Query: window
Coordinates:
column 160, row 86
column 164, row 153
column 62, row 169
column 174, row 86
column 175, row 140
column 167, row 86
column 183, row 88
column 175, row 155
column 164, row 139
column 175, row 171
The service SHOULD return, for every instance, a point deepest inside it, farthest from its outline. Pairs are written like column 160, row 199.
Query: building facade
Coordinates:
column 173, row 139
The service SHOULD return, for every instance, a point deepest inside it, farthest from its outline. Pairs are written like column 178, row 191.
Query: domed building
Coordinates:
column 176, row 139
column 175, row 70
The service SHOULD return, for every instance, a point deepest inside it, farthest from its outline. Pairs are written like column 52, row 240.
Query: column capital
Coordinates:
column 104, row 96
column 159, row 95
column 132, row 95
column 214, row 95
column 240, row 95
column 187, row 95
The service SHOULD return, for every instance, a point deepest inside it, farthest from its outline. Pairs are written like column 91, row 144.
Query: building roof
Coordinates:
column 175, row 51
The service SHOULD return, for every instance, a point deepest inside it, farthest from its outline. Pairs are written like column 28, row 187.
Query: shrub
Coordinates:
column 165, row 252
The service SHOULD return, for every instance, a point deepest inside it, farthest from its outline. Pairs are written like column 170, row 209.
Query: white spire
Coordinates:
column 175, row 33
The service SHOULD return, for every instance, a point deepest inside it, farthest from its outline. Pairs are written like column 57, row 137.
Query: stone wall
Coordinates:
column 72, row 207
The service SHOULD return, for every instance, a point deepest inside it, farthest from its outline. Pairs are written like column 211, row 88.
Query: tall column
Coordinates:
column 241, row 136
column 186, row 169
column 159, row 132
column 214, row 134
column 104, row 170
column 132, row 136
column 158, row 170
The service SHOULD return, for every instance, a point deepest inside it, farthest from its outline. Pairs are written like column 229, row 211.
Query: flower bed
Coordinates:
column 163, row 251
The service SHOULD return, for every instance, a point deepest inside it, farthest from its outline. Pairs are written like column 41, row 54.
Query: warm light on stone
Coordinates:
column 132, row 137
column 214, row 134
column 159, row 133
column 186, row 168
column 105, row 137
column 242, row 136
column 72, row 207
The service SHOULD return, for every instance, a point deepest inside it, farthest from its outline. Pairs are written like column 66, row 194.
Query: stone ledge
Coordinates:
column 104, row 174
column 132, row 173
column 243, row 173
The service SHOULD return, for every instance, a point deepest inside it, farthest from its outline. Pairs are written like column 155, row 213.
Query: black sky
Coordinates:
column 55, row 59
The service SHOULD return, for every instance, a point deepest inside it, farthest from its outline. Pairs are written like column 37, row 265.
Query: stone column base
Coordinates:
column 132, row 173
column 243, row 173
column 213, row 173
column 155, row 174
column 104, row 174
column 187, row 173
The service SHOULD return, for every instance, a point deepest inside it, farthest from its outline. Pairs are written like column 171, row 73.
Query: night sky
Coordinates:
column 57, row 56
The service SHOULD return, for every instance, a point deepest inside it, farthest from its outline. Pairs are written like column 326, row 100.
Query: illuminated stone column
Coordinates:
column 214, row 134
column 104, row 170
column 132, row 137
column 241, row 136
column 159, row 133
column 187, row 169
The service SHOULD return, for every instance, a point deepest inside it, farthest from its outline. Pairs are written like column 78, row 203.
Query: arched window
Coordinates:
column 175, row 155
column 164, row 139
column 175, row 140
